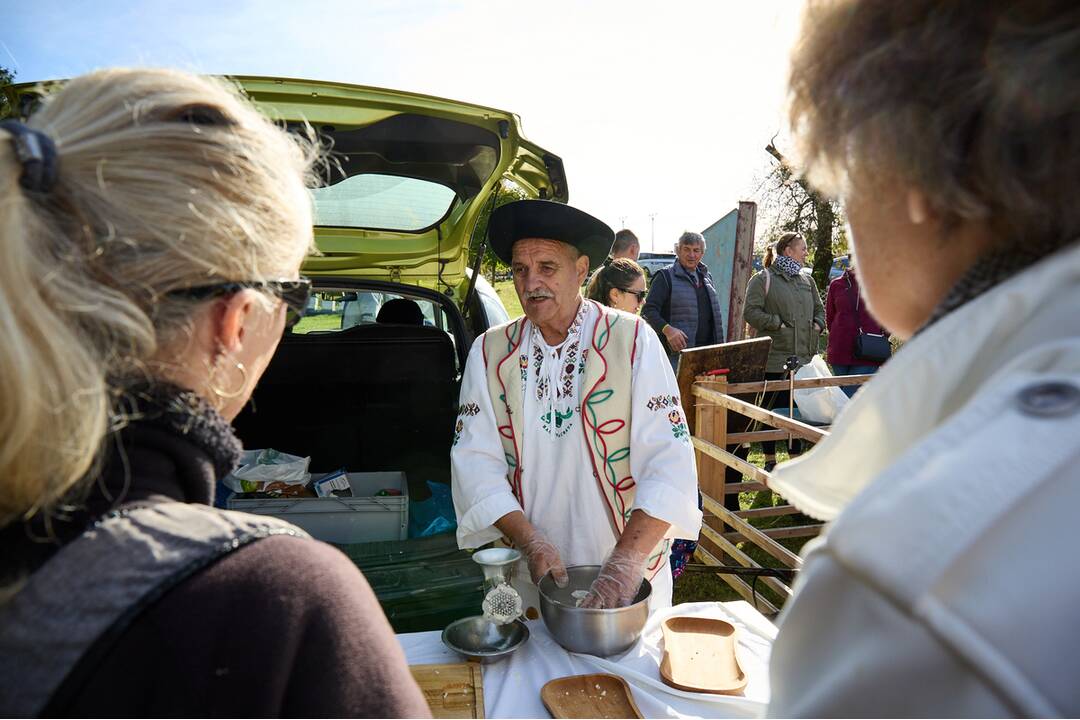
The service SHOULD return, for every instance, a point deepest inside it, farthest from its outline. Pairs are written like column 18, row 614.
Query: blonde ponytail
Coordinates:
column 53, row 405
column 166, row 180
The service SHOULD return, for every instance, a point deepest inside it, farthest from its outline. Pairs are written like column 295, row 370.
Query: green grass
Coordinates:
column 506, row 293
column 704, row 587
column 318, row 322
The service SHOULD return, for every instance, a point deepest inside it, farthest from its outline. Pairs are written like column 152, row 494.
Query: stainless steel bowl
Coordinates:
column 596, row 632
column 478, row 638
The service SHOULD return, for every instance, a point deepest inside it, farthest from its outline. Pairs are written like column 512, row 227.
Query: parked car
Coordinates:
column 839, row 265
column 362, row 389
column 650, row 262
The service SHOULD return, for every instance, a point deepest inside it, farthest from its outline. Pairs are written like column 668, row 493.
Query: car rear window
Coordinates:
column 335, row 310
column 382, row 202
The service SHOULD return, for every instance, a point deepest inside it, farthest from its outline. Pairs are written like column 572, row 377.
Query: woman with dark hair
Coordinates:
column 848, row 318
column 783, row 303
column 951, row 134
column 619, row 283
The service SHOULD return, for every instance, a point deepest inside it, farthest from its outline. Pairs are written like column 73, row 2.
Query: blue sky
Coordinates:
column 655, row 110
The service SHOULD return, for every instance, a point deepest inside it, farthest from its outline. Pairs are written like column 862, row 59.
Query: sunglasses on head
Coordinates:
column 639, row 294
column 294, row 293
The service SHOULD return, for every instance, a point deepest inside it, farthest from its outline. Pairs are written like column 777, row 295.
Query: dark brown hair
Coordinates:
column 617, row 274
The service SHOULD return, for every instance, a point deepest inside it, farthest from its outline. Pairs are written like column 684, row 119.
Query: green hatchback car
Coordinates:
column 369, row 380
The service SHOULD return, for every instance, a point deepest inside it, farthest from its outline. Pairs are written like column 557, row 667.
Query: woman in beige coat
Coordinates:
column 783, row 303
column 946, row 584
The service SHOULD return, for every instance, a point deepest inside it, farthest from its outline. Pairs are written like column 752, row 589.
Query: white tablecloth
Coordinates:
column 512, row 685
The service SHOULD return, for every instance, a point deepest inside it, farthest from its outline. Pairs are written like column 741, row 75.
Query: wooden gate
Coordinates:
column 715, row 404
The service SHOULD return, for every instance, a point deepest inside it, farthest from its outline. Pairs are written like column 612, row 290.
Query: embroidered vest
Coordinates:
column 606, row 393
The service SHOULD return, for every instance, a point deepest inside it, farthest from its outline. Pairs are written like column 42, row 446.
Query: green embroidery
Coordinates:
column 561, row 424
column 611, row 475
column 678, row 425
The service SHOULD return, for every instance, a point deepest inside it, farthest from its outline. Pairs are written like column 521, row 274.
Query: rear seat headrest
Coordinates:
column 401, row 311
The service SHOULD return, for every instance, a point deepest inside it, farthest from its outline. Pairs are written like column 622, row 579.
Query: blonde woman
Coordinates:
column 946, row 583
column 152, row 226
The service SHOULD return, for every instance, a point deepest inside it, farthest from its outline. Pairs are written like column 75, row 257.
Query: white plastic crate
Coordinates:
column 361, row 518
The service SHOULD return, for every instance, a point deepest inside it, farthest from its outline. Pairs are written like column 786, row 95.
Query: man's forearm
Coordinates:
column 642, row 533
column 515, row 527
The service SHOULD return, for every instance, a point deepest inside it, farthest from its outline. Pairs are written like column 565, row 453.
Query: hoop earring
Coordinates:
column 232, row 394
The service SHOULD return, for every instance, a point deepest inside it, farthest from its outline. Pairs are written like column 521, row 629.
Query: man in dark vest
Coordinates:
column 683, row 306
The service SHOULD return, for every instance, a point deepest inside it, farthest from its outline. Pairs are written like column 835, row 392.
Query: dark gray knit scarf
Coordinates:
column 182, row 412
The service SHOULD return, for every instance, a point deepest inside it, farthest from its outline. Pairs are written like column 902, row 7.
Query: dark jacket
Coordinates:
column 844, row 324
column 787, row 314
column 673, row 300
column 281, row 627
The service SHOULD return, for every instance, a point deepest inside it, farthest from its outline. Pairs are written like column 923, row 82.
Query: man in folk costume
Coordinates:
column 571, row 442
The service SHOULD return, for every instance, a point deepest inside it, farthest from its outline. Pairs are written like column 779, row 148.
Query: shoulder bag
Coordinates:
column 871, row 347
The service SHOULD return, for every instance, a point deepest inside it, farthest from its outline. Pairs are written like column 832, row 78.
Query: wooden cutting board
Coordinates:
column 699, row 656
column 589, row 696
column 452, row 690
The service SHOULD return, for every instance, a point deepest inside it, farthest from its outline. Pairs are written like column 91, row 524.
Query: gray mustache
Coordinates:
column 538, row 294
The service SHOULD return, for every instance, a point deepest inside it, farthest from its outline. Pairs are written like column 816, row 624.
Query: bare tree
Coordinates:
column 796, row 207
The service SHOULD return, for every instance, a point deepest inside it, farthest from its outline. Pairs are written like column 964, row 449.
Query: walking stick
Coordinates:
column 791, row 365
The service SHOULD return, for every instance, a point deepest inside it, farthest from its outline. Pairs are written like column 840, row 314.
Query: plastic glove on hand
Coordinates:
column 542, row 556
column 618, row 582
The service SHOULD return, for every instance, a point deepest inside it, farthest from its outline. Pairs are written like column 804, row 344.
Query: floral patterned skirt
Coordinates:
column 682, row 551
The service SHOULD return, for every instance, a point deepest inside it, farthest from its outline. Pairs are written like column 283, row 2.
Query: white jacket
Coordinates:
column 948, row 583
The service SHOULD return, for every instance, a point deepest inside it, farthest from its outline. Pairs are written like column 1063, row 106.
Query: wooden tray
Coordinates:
column 699, row 656
column 589, row 696
column 453, row 690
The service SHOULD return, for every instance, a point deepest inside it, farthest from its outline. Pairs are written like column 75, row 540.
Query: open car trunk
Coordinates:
column 365, row 395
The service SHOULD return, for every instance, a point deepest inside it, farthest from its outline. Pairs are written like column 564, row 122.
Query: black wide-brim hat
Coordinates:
column 551, row 221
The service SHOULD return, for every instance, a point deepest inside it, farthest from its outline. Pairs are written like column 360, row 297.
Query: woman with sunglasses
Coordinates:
column 151, row 234
column 620, row 284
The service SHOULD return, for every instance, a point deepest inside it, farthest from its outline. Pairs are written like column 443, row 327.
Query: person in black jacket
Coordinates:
column 153, row 228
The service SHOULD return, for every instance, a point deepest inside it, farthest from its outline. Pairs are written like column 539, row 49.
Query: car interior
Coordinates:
column 369, row 379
